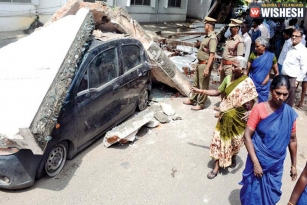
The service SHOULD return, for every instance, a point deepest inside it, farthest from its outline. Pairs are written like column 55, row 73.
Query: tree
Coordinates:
column 223, row 10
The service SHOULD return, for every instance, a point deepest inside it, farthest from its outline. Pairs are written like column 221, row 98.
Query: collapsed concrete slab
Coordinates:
column 118, row 20
column 126, row 131
column 36, row 72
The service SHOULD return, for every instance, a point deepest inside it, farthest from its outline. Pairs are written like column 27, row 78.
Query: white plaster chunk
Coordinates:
column 168, row 53
column 187, row 49
column 152, row 124
column 168, row 109
column 128, row 129
column 184, row 61
column 28, row 68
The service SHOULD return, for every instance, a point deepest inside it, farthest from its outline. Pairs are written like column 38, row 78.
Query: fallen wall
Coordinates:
column 118, row 20
column 36, row 72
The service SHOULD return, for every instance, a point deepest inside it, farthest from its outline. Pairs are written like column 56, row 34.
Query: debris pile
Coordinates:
column 35, row 83
column 118, row 20
column 46, row 63
column 126, row 131
column 49, row 57
column 182, row 48
column 151, row 117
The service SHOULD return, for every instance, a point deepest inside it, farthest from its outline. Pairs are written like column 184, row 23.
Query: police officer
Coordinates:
column 228, row 33
column 234, row 47
column 205, row 57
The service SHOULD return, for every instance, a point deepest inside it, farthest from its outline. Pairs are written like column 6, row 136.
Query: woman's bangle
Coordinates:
column 289, row 203
column 293, row 167
column 256, row 164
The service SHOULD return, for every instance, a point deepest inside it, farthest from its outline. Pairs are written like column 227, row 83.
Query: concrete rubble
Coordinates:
column 151, row 117
column 37, row 79
column 118, row 20
column 46, row 63
column 167, row 109
column 181, row 48
column 127, row 130
column 164, row 112
column 161, row 117
column 51, row 58
column 152, row 124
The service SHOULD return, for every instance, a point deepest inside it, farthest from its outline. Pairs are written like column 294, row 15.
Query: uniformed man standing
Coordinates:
column 234, row 47
column 205, row 57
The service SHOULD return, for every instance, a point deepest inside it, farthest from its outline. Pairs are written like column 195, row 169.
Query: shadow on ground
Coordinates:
column 60, row 181
column 234, row 197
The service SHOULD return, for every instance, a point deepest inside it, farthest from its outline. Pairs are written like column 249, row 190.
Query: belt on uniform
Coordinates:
column 202, row 62
column 225, row 62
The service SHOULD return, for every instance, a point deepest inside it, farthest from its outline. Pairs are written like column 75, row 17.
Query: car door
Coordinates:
column 134, row 77
column 97, row 95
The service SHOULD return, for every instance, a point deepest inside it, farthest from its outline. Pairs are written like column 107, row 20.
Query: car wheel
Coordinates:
column 143, row 100
column 56, row 160
column 53, row 161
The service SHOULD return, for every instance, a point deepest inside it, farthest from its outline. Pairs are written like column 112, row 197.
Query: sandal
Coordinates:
column 233, row 162
column 211, row 175
column 216, row 108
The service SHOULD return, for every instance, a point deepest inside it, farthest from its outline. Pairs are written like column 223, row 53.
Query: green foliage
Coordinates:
column 240, row 2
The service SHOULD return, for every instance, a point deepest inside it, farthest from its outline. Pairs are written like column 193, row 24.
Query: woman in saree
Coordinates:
column 259, row 66
column 271, row 128
column 234, row 110
column 299, row 194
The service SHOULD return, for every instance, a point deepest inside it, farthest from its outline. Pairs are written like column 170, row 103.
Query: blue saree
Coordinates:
column 260, row 68
column 303, row 199
column 270, row 141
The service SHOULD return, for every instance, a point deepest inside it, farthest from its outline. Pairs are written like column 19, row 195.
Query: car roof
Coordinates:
column 102, row 38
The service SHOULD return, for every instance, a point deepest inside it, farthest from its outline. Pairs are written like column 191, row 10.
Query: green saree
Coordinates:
column 228, row 133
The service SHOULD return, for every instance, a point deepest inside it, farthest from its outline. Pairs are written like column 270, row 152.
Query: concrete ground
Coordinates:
column 165, row 165
column 10, row 37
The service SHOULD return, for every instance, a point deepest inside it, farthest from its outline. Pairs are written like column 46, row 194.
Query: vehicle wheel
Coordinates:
column 143, row 100
column 53, row 161
column 56, row 160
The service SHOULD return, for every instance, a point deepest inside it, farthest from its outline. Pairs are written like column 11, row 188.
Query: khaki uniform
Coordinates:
column 234, row 47
column 207, row 46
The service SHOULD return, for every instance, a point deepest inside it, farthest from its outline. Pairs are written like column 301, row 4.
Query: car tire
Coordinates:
column 53, row 161
column 143, row 100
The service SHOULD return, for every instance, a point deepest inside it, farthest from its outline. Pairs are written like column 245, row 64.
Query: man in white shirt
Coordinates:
column 295, row 64
column 264, row 31
column 268, row 27
column 287, row 22
column 303, row 40
column 246, row 39
column 286, row 47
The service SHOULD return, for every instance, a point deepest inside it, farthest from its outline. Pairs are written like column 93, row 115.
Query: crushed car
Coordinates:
column 111, row 80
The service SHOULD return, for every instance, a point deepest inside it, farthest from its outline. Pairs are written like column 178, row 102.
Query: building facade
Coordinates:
column 19, row 14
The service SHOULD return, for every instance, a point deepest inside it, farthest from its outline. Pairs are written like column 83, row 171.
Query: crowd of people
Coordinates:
column 247, row 115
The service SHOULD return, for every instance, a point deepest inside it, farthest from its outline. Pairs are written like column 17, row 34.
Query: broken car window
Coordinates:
column 103, row 68
column 131, row 57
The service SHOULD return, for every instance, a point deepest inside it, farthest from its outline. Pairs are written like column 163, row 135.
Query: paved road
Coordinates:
column 166, row 165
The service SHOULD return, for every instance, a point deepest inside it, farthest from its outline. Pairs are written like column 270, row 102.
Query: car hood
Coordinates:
column 24, row 139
